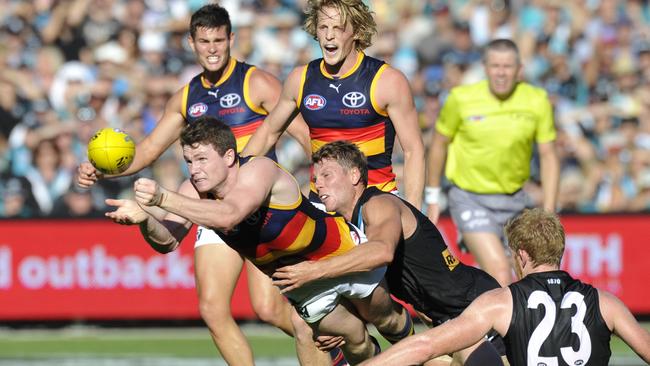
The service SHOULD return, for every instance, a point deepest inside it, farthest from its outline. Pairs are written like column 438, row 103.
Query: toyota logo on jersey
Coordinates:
column 198, row 109
column 354, row 99
column 315, row 102
column 229, row 100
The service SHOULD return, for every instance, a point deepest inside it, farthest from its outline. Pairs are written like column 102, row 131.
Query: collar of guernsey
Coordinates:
column 345, row 108
column 228, row 99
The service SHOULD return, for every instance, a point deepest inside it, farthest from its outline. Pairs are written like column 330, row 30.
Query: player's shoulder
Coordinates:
column 296, row 73
column 258, row 75
column 381, row 203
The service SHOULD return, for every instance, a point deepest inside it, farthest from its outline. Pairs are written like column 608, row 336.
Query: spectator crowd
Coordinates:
column 70, row 67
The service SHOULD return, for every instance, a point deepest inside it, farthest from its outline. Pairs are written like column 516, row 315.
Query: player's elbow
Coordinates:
column 225, row 223
column 423, row 349
column 385, row 256
column 163, row 248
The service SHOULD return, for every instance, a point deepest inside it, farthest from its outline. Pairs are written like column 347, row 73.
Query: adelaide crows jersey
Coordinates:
column 228, row 100
column 556, row 320
column 279, row 235
column 344, row 108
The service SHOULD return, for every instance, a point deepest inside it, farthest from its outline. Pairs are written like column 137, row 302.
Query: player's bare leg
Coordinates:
column 344, row 321
column 389, row 317
column 268, row 303
column 273, row 308
column 490, row 255
column 217, row 268
column 306, row 349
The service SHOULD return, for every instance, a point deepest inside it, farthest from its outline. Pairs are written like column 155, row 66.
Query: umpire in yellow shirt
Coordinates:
column 485, row 133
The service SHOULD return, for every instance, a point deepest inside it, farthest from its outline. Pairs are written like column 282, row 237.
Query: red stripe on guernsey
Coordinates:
column 381, row 175
column 332, row 241
column 246, row 129
column 286, row 237
column 350, row 134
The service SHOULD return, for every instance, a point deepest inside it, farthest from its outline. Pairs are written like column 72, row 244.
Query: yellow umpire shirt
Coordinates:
column 491, row 141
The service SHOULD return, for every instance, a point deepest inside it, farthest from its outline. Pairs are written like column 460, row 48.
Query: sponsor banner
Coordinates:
column 94, row 269
column 606, row 251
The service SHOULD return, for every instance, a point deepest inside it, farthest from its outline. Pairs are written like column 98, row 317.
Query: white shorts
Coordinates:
column 317, row 299
column 205, row 236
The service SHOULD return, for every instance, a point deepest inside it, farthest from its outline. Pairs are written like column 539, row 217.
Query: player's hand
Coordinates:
column 433, row 212
column 327, row 343
column 295, row 276
column 87, row 175
column 148, row 192
column 128, row 212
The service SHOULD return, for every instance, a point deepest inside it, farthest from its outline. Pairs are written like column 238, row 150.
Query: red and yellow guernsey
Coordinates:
column 228, row 100
column 279, row 235
column 344, row 108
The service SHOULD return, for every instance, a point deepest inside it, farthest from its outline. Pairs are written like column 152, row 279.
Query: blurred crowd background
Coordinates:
column 70, row 67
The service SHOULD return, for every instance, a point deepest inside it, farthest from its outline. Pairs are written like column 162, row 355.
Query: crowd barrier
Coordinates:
column 97, row 270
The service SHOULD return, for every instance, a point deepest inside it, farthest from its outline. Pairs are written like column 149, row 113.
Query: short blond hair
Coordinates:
column 354, row 11
column 539, row 233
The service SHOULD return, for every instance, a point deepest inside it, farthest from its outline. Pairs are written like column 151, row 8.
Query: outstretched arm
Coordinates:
column 623, row 324
column 252, row 188
column 278, row 119
column 164, row 235
column 461, row 332
column 383, row 229
column 148, row 150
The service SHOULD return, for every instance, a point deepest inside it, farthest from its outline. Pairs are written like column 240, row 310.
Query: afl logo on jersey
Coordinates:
column 354, row 99
column 229, row 100
column 198, row 109
column 315, row 102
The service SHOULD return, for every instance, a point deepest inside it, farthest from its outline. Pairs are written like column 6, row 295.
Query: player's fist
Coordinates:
column 87, row 175
column 147, row 192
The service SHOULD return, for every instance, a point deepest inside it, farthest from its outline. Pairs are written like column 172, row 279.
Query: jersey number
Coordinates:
column 545, row 327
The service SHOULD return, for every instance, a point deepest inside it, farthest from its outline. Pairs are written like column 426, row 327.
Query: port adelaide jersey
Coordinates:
column 228, row 100
column 556, row 320
column 344, row 108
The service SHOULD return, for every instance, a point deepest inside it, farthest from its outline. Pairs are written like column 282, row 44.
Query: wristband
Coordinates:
column 431, row 195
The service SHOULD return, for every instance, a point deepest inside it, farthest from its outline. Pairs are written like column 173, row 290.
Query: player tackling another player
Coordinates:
column 258, row 210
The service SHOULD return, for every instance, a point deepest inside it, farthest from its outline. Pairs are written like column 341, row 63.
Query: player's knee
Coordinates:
column 213, row 311
column 271, row 312
column 357, row 349
column 390, row 322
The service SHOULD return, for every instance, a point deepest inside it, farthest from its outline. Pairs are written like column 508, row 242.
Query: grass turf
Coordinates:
column 176, row 343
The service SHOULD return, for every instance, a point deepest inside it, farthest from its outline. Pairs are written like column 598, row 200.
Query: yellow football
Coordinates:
column 111, row 150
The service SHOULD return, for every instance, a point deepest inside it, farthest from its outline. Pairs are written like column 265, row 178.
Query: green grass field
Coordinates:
column 50, row 347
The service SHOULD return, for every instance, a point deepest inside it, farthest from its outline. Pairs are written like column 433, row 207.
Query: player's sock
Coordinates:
column 377, row 346
column 405, row 332
column 337, row 357
column 484, row 355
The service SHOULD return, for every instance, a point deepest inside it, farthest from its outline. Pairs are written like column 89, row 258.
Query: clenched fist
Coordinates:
column 148, row 192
